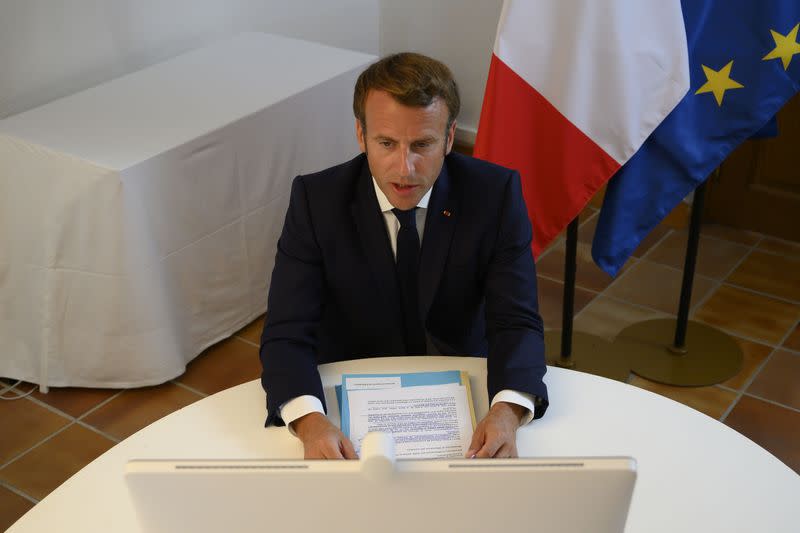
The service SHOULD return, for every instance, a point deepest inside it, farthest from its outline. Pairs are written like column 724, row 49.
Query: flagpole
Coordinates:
column 698, row 354
column 592, row 354
column 698, row 202
column 568, row 309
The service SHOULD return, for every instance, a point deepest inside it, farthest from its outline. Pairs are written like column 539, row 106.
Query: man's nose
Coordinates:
column 406, row 163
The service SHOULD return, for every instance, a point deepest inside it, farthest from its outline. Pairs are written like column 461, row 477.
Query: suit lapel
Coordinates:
column 440, row 223
column 375, row 244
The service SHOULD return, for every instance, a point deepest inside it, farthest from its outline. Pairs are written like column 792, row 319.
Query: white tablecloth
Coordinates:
column 694, row 473
column 138, row 219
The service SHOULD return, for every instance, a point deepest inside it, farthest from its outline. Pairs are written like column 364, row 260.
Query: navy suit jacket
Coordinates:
column 334, row 291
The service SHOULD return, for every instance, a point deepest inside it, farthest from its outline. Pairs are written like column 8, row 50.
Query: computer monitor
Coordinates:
column 380, row 494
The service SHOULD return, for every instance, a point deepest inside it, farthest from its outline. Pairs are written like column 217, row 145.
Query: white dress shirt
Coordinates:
column 303, row 405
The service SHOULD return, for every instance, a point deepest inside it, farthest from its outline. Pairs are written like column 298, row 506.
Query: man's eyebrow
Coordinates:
column 428, row 139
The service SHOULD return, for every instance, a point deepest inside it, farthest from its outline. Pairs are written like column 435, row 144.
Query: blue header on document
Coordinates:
column 388, row 381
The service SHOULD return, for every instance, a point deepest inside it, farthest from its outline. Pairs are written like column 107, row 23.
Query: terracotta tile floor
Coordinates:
column 747, row 285
column 654, row 285
column 715, row 257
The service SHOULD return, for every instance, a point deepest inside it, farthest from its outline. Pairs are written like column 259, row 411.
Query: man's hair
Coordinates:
column 412, row 79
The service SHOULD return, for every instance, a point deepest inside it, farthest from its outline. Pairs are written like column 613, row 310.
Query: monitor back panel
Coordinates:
column 555, row 495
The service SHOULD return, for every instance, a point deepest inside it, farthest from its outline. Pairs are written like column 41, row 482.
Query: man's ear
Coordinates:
column 451, row 135
column 362, row 142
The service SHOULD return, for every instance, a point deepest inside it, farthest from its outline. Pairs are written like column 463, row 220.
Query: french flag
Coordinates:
column 574, row 89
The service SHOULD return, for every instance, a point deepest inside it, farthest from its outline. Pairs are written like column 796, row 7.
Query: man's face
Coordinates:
column 405, row 146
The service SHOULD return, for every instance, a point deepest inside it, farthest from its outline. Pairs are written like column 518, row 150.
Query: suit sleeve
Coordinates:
column 296, row 299
column 514, row 327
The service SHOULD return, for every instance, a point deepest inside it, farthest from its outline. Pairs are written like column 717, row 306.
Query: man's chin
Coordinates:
column 404, row 204
column 405, row 199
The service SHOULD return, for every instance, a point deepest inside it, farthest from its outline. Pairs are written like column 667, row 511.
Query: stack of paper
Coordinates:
column 429, row 414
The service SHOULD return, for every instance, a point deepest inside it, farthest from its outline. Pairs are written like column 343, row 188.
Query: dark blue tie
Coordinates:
column 407, row 275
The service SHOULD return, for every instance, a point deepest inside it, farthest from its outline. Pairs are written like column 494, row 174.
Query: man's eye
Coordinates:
column 385, row 144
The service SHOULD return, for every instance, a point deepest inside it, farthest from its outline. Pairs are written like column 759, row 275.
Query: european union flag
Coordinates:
column 768, row 131
column 744, row 64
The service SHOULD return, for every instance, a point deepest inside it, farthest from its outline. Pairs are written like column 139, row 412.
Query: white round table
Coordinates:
column 695, row 474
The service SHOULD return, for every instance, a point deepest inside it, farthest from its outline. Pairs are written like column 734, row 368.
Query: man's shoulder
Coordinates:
column 469, row 169
column 339, row 177
column 479, row 180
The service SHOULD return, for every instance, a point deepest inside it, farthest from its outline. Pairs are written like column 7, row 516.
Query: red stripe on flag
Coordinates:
column 561, row 168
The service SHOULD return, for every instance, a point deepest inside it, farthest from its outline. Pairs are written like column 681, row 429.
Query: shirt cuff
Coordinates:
column 298, row 407
column 518, row 398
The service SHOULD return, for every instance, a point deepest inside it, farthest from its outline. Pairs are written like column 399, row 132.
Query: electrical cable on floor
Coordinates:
column 15, row 394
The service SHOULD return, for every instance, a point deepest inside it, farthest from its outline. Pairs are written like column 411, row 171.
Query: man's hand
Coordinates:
column 321, row 439
column 496, row 434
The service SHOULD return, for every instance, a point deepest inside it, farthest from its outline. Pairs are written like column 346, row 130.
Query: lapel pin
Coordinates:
column 446, row 213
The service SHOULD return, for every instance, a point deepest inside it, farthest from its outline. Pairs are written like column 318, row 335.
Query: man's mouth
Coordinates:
column 400, row 188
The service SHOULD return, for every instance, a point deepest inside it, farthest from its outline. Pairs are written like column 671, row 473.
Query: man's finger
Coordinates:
column 506, row 451
column 330, row 450
column 513, row 453
column 347, row 449
column 489, row 449
column 477, row 441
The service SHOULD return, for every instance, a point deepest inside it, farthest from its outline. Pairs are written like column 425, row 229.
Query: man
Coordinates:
column 351, row 281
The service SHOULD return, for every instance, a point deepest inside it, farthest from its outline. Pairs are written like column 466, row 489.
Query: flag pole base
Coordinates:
column 590, row 354
column 708, row 357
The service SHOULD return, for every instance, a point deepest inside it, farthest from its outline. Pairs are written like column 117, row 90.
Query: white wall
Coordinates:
column 52, row 48
column 458, row 32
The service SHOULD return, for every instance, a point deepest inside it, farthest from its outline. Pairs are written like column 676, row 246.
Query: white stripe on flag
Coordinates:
column 614, row 68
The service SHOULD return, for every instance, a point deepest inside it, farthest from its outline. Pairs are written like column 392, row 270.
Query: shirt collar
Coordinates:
column 385, row 205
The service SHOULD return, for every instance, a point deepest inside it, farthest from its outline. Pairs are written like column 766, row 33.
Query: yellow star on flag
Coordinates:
column 719, row 82
column 785, row 46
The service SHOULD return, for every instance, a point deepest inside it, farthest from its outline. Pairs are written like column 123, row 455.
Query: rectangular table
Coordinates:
column 138, row 218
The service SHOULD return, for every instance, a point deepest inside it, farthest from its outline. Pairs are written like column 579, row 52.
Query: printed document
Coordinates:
column 427, row 422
